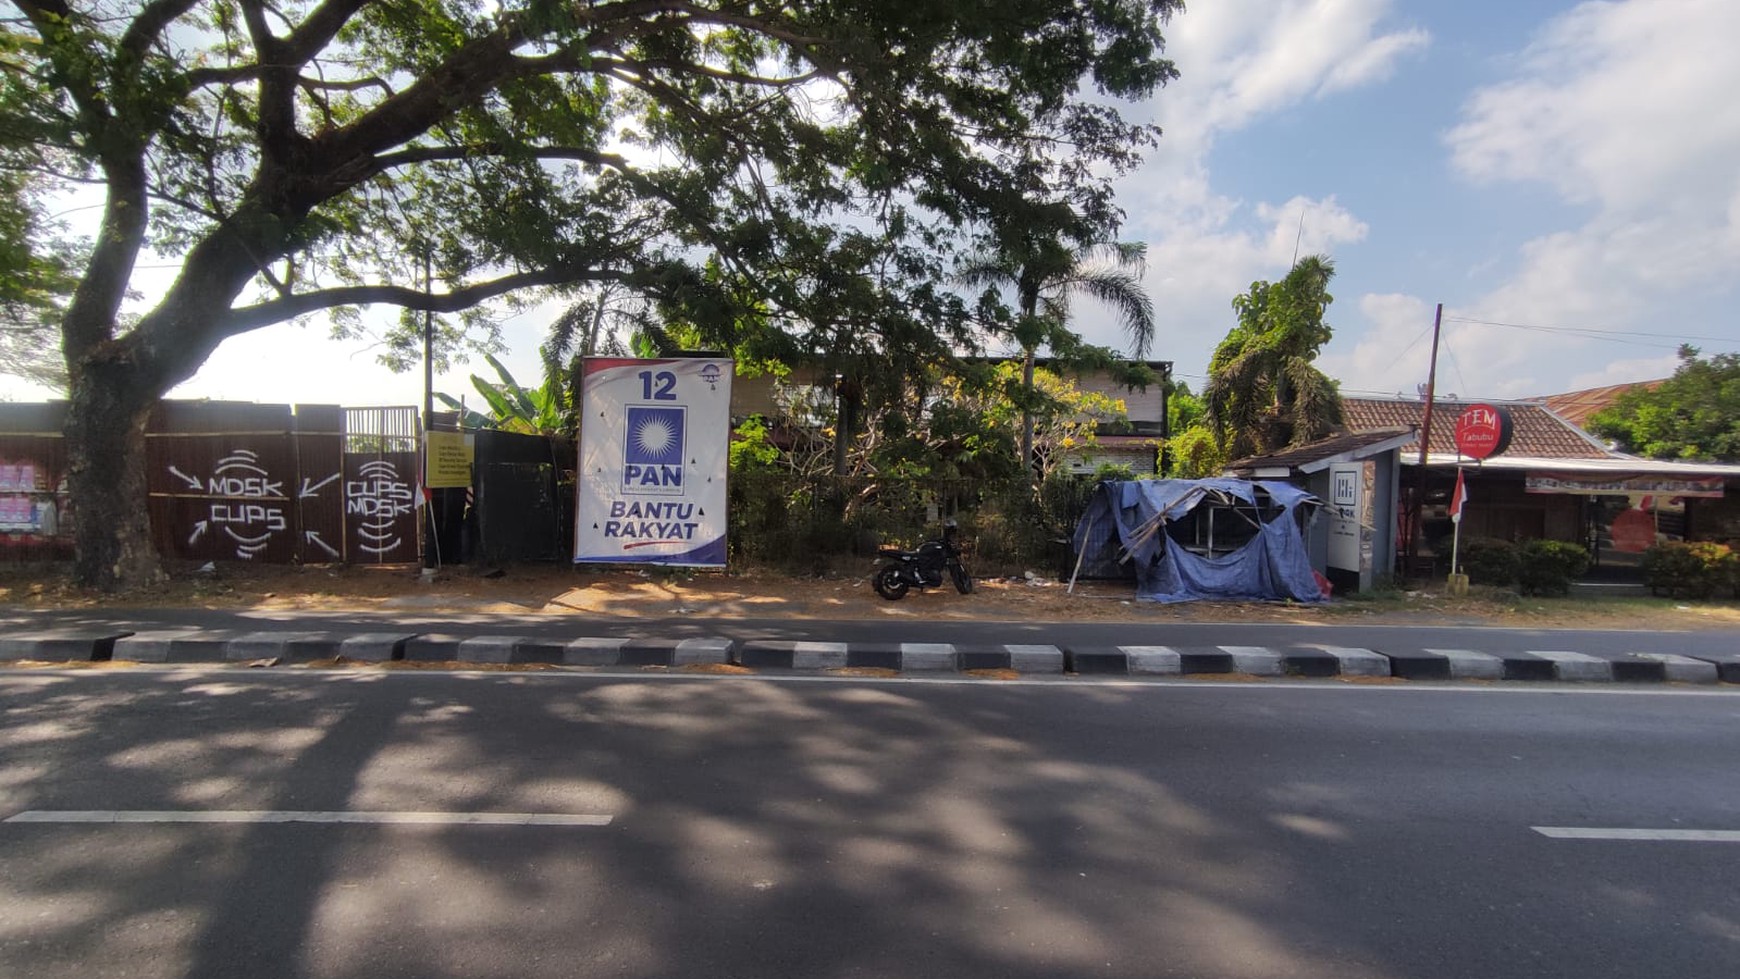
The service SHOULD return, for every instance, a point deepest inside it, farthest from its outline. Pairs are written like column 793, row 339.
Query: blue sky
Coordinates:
column 1556, row 165
column 1551, row 165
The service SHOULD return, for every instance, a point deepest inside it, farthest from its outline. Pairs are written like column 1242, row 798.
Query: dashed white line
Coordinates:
column 1640, row 835
column 285, row 816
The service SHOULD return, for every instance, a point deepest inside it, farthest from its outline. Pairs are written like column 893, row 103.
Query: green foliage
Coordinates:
column 1196, row 453
column 1263, row 392
column 1488, row 561
column 36, row 278
column 513, row 408
column 1691, row 570
column 791, row 182
column 752, row 447
column 1547, row 567
column 1693, row 415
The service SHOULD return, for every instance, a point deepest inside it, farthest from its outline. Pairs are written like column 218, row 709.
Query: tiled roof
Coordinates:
column 1536, row 432
column 1576, row 406
column 1348, row 444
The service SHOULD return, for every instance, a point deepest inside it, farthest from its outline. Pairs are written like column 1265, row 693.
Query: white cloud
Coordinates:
column 1626, row 109
column 1238, row 62
column 1627, row 372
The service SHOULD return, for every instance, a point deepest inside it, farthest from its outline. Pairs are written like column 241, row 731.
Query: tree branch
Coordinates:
column 278, row 310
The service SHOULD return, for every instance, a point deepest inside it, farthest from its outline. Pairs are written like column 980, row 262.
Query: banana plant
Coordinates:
column 512, row 407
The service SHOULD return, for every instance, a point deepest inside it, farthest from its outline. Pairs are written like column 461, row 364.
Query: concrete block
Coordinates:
column 926, row 657
column 375, row 647
column 488, row 649
column 282, row 644
column 1355, row 661
column 1255, row 660
column 64, row 645
column 1468, row 664
column 1576, row 666
column 689, row 651
column 1676, row 668
column 1153, row 660
column 1035, row 659
column 1096, row 659
column 593, row 652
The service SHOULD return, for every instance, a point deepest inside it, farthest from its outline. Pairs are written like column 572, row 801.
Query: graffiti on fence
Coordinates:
column 248, row 505
column 374, row 500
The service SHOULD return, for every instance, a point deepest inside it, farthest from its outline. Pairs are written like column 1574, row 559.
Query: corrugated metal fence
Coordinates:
column 228, row 481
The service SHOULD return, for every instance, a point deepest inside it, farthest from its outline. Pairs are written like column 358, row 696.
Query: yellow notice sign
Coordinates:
column 448, row 460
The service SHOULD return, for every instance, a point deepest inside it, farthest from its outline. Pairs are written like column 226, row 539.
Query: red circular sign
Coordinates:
column 1482, row 431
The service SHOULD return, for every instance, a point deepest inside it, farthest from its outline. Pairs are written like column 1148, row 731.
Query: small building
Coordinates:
column 1554, row 482
column 1357, row 476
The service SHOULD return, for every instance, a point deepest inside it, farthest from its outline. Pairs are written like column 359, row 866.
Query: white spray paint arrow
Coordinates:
column 308, row 490
column 198, row 529
column 192, row 483
column 314, row 538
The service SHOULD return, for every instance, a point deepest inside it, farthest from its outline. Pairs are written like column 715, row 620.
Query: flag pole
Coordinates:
column 1458, row 583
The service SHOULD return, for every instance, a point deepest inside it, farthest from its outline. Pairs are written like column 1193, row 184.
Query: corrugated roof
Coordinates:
column 1536, row 431
column 1576, row 406
column 1348, row 446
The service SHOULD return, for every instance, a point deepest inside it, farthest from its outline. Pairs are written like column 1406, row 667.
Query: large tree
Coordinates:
column 1264, row 390
column 787, row 177
column 1693, row 415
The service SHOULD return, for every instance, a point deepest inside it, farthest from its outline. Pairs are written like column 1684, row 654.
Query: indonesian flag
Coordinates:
column 1458, row 498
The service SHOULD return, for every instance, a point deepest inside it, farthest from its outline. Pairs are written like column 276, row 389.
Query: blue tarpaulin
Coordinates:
column 1271, row 564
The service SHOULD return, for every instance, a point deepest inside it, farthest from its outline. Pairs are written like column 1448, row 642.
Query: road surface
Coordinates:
column 222, row 823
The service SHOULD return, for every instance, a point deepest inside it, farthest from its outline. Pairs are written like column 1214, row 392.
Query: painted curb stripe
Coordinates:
column 1640, row 835
column 281, row 816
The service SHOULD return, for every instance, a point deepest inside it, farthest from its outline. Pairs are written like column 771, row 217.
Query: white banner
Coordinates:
column 655, row 438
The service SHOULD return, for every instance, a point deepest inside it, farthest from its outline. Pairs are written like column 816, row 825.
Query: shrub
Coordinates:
column 1488, row 561
column 1546, row 567
column 1691, row 570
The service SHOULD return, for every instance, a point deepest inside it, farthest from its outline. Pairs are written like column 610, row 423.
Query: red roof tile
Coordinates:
column 1535, row 431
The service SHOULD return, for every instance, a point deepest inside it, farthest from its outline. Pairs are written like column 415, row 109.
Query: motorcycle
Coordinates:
column 922, row 568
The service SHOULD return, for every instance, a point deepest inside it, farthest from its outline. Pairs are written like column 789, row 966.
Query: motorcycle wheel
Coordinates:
column 963, row 580
column 889, row 584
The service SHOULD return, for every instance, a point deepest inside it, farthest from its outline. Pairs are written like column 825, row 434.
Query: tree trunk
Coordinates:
column 1027, row 413
column 105, row 439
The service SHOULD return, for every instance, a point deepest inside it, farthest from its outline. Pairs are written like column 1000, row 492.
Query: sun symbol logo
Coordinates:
column 654, row 437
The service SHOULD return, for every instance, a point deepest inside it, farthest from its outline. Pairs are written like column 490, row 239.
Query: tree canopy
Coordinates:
column 1693, row 415
column 1264, row 392
column 789, row 179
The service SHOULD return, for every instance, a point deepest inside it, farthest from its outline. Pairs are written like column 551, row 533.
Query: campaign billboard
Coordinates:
column 655, row 438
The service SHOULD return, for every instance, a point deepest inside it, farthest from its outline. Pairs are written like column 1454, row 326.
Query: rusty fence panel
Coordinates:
column 233, row 481
column 318, row 445
column 222, row 479
column 382, row 512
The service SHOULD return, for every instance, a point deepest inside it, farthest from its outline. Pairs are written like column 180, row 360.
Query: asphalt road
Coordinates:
column 837, row 827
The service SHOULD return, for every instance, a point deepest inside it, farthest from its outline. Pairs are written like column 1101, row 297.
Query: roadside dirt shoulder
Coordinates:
column 562, row 590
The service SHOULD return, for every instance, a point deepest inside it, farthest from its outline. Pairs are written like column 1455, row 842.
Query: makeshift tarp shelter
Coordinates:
column 1192, row 539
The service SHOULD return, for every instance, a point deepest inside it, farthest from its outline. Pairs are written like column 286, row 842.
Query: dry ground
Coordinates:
column 563, row 590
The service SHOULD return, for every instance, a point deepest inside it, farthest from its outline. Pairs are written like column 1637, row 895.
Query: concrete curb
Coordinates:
column 902, row 657
column 64, row 645
column 1303, row 660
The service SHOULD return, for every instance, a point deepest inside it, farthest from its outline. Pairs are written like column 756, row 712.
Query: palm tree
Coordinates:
column 1046, row 277
column 1263, row 391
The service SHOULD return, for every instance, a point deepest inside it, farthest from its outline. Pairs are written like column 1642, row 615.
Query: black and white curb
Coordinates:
column 911, row 658
column 899, row 657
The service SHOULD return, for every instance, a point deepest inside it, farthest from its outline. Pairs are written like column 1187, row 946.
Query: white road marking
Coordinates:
column 281, row 816
column 1640, row 835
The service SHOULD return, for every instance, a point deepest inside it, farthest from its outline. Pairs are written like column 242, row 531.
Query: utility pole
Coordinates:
column 430, row 546
column 1417, row 512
